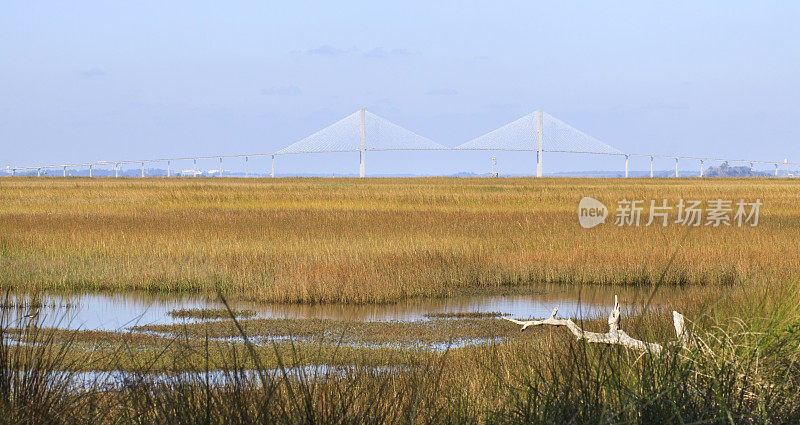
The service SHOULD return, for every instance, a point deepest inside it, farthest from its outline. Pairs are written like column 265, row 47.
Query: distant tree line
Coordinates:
column 725, row 170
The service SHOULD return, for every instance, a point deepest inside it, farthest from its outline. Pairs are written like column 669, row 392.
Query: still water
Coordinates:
column 119, row 311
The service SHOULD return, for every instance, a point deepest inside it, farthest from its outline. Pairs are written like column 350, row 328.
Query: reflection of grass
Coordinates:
column 209, row 313
column 373, row 240
column 23, row 304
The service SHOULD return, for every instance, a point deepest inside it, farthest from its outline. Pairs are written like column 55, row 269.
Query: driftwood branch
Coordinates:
column 615, row 335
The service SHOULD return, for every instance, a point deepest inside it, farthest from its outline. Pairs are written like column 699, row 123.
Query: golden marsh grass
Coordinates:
column 374, row 240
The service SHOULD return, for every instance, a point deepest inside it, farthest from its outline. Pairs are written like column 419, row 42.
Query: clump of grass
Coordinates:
column 37, row 372
column 209, row 313
column 351, row 332
column 465, row 315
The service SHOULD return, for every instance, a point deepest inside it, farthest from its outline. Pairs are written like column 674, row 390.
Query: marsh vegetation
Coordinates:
column 377, row 243
column 373, row 240
column 209, row 313
column 744, row 371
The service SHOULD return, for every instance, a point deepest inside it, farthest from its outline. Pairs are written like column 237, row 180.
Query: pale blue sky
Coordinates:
column 100, row 80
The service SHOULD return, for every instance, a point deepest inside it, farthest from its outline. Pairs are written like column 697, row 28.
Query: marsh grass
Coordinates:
column 424, row 237
column 329, row 331
column 373, row 240
column 464, row 315
column 208, row 313
column 36, row 372
column 743, row 371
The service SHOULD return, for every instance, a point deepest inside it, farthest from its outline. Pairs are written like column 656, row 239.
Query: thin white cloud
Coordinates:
column 326, row 50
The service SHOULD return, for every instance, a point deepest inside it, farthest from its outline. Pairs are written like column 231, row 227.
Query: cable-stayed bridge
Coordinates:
column 363, row 131
column 360, row 131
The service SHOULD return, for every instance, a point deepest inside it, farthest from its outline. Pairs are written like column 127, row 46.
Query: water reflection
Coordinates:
column 103, row 311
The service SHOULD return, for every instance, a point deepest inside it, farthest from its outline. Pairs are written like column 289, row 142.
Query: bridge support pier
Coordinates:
column 539, row 119
column 362, row 167
column 651, row 167
column 627, row 160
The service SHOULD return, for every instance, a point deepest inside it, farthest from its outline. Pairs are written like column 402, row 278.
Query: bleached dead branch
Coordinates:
column 615, row 335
